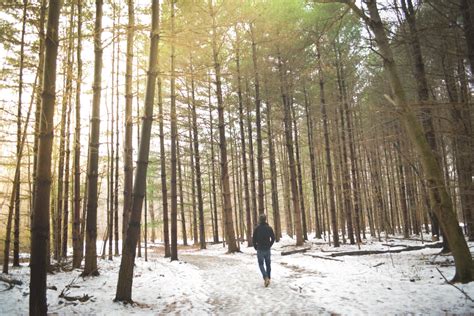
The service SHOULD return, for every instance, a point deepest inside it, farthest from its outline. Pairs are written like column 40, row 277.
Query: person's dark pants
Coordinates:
column 264, row 255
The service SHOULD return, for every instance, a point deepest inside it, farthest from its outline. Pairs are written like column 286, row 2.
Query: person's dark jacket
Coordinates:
column 263, row 237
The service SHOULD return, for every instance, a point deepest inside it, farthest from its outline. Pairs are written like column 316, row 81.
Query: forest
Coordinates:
column 141, row 140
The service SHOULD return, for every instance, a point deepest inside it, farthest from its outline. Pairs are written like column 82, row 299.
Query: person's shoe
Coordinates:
column 267, row 282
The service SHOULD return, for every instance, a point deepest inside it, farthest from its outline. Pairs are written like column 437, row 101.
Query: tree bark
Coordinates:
column 353, row 158
column 90, row 266
column 125, row 278
column 194, row 223
column 467, row 11
column 420, row 78
column 253, row 190
column 273, row 174
column 41, row 204
column 40, row 70
column 116, row 169
column 128, row 143
column 213, row 171
column 76, row 238
column 444, row 208
column 330, row 179
column 314, row 183
column 16, row 233
column 197, row 162
column 164, row 186
column 13, row 194
column 174, row 135
column 258, row 119
column 65, row 223
column 248, row 214
column 299, row 173
column 228, row 221
column 181, row 200
column 291, row 155
column 62, row 144
column 68, row 95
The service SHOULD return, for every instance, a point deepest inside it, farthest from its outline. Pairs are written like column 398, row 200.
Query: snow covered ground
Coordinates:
column 213, row 282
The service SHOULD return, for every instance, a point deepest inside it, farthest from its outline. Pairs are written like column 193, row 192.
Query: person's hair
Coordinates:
column 262, row 218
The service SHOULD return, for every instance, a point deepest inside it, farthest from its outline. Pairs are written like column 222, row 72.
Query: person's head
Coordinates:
column 262, row 218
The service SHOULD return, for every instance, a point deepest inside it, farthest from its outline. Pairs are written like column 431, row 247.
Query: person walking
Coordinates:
column 263, row 239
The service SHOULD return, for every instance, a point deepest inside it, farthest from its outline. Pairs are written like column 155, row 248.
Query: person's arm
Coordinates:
column 254, row 238
column 272, row 237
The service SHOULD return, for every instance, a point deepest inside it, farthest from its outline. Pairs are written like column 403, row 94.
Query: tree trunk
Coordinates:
column 314, row 183
column 273, row 174
column 194, row 223
column 213, row 169
column 228, row 221
column 332, row 203
column 125, row 278
column 41, row 204
column 66, row 161
column 174, row 135
column 164, row 186
column 152, row 217
column 258, row 119
column 112, row 155
column 197, row 161
column 345, row 165
column 444, row 208
column 41, row 36
column 466, row 8
column 90, row 266
column 116, row 170
column 181, row 200
column 242, row 140
column 421, row 79
column 299, row 173
column 65, row 204
column 285, row 182
column 111, row 162
column 128, row 143
column 16, row 239
column 291, row 155
column 76, row 238
column 13, row 194
column 353, row 158
column 253, row 190
column 62, row 144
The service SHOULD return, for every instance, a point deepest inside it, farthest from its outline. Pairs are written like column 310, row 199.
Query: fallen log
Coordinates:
column 11, row 282
column 412, row 239
column 290, row 252
column 322, row 257
column 375, row 252
column 394, row 246
column 82, row 299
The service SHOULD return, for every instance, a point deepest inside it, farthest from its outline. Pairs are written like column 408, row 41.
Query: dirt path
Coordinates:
column 234, row 285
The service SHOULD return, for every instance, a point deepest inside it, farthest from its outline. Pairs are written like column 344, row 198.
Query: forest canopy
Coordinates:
column 127, row 122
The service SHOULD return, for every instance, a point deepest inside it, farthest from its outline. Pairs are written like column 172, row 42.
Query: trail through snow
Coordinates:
column 212, row 282
column 238, row 273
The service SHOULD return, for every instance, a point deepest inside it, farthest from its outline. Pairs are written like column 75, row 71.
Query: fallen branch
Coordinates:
column 413, row 239
column 460, row 290
column 331, row 251
column 290, row 252
column 375, row 252
column 64, row 292
column 322, row 257
column 391, row 245
column 82, row 299
column 11, row 282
